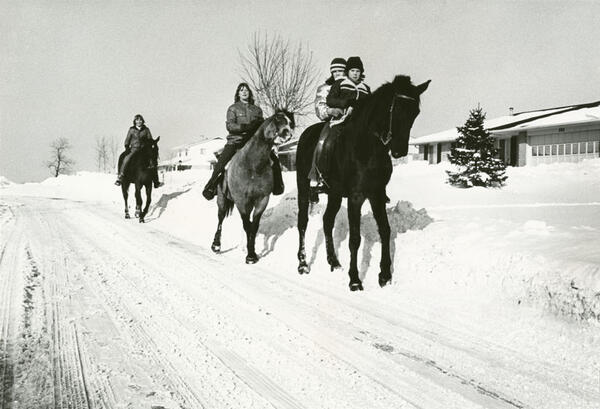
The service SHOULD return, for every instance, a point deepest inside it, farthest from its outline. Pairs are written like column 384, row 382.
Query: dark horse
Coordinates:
column 361, row 168
column 248, row 181
column 140, row 171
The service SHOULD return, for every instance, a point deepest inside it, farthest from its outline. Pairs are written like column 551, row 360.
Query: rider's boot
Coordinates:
column 119, row 180
column 210, row 190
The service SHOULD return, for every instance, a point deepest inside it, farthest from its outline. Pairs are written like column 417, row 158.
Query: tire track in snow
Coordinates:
column 406, row 390
column 263, row 289
column 143, row 327
column 265, row 387
column 8, row 264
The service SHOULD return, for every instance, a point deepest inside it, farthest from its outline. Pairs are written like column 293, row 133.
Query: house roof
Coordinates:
column 566, row 115
column 191, row 144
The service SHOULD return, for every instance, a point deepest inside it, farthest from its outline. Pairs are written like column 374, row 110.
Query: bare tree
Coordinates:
column 102, row 153
column 282, row 75
column 114, row 152
column 59, row 162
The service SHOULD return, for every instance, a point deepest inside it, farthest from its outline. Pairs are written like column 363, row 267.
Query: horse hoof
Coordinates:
column 335, row 267
column 216, row 248
column 127, row 216
column 142, row 220
column 303, row 269
column 383, row 281
column 356, row 286
column 251, row 259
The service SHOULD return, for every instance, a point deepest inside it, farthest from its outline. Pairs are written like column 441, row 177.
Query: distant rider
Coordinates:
column 137, row 138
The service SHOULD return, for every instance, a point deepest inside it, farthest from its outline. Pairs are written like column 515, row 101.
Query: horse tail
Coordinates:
column 228, row 207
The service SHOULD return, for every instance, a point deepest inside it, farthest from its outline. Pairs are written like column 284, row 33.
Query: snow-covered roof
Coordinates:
column 192, row 144
column 571, row 114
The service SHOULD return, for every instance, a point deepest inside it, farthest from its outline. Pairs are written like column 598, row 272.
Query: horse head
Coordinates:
column 153, row 151
column 279, row 127
column 403, row 110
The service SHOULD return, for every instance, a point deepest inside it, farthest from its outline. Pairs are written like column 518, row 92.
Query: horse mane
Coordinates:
column 373, row 111
column 374, row 103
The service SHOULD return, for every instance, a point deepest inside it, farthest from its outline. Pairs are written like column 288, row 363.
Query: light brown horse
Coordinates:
column 248, row 181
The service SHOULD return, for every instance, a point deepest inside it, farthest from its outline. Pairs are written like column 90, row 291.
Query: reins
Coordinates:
column 388, row 137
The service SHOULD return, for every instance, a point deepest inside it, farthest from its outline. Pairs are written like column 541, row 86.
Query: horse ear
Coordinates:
column 157, row 139
column 423, row 87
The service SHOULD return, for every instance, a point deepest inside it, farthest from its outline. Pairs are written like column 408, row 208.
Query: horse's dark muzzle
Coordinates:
column 397, row 155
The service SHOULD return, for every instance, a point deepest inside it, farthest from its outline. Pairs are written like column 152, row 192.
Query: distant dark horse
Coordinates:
column 248, row 181
column 361, row 169
column 140, row 171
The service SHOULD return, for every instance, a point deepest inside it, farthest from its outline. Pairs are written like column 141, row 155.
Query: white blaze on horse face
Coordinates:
column 283, row 134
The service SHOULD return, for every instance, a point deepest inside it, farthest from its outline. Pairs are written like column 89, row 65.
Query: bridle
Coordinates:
column 388, row 136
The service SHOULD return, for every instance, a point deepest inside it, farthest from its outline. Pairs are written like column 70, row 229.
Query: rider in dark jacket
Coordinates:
column 344, row 94
column 137, row 138
column 243, row 119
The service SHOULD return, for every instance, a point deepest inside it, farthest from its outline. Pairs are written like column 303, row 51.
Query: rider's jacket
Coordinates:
column 137, row 138
column 321, row 102
column 242, row 119
column 343, row 91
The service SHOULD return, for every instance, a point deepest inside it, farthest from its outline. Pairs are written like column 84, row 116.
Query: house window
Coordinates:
column 596, row 147
column 561, row 129
column 575, row 149
column 581, row 147
column 561, row 149
column 568, row 149
column 590, row 147
column 534, row 151
column 554, row 150
column 547, row 150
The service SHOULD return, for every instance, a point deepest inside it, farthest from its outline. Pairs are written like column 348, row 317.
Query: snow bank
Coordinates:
column 4, row 182
column 532, row 242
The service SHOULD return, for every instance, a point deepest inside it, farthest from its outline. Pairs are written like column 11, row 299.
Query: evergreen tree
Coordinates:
column 474, row 155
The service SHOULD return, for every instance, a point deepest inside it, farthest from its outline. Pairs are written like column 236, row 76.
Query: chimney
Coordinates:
column 511, row 111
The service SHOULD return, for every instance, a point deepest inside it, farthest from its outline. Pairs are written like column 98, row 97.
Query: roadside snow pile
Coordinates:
column 82, row 186
column 4, row 182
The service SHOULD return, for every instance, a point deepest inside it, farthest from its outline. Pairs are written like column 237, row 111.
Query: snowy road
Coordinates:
column 99, row 312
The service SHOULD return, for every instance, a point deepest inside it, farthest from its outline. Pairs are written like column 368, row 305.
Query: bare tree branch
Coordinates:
column 102, row 153
column 282, row 75
column 59, row 162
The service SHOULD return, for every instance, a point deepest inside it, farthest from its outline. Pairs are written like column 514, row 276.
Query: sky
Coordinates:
column 82, row 70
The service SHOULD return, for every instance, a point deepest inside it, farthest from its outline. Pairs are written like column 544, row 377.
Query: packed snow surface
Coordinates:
column 509, row 277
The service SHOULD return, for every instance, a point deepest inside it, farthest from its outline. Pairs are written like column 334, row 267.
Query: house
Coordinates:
column 562, row 134
column 197, row 155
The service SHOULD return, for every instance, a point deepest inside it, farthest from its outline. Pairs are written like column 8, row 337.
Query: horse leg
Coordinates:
column 303, row 202
column 138, row 200
column 334, row 202
column 125, row 191
column 383, row 225
column 355, row 202
column 222, row 203
column 256, row 215
column 250, row 258
column 148, row 187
